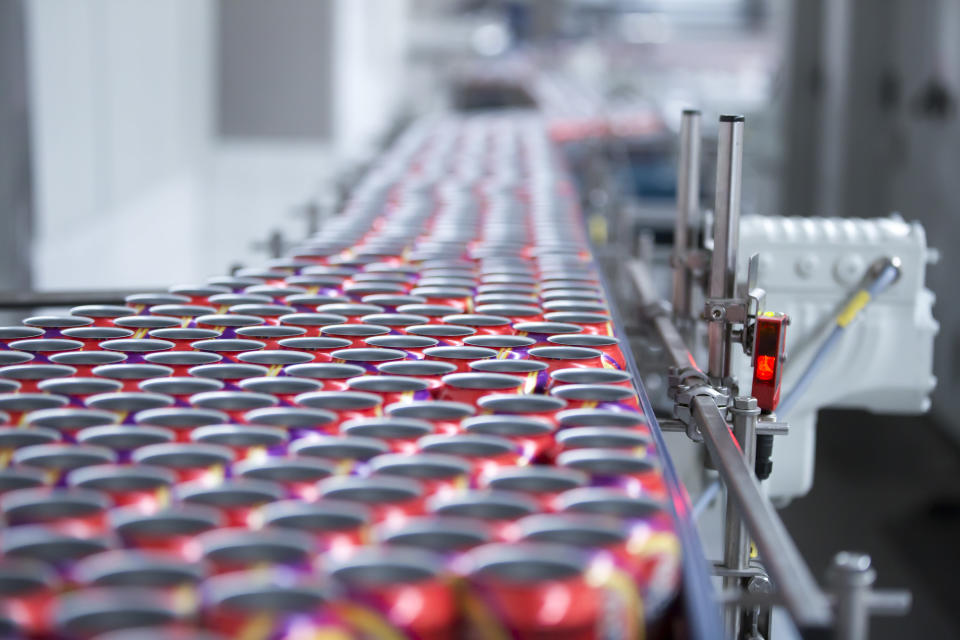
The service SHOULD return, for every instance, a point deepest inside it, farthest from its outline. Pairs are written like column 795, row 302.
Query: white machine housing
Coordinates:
column 810, row 268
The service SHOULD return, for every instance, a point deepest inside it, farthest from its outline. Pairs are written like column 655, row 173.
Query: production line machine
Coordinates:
column 425, row 421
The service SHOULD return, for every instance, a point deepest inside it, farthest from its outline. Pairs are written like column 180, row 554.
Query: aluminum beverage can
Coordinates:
column 172, row 529
column 333, row 375
column 229, row 348
column 533, row 437
column 238, row 499
column 14, row 333
column 334, row 526
column 57, row 459
column 498, row 509
column 395, row 321
column 141, row 487
column 348, row 453
column 78, row 389
column 470, row 387
column 234, row 403
column 276, row 360
column 312, row 322
column 269, row 313
column 348, row 405
column 270, row 335
column 389, row 498
column 131, row 375
column 28, row 588
column 15, row 478
column 512, row 590
column 57, row 550
column 84, row 362
column 484, row 452
column 412, row 345
column 87, row 613
column 122, row 439
column 447, row 335
column 447, row 536
column 285, row 388
column 181, row 362
column 429, row 371
column 617, row 468
column 445, row 416
column 591, row 375
column 603, row 418
column 188, row 461
column 125, row 404
column 353, row 312
column 379, row 581
column 122, row 568
column 598, row 396
column 270, row 604
column 180, row 420
column 609, row 346
column 355, row 333
column 180, row 388
column 199, row 294
column 91, row 337
column 391, row 389
column 247, row 441
column 74, row 511
column 542, row 483
column 437, row 473
column 565, row 357
column 297, row 421
column 237, row 549
column 230, row 373
column 52, row 326
column 368, row 358
column 533, row 405
column 43, row 348
column 185, row 313
column 297, row 475
column 589, row 322
column 29, row 375
column 459, row 356
column 400, row 434
column 102, row 314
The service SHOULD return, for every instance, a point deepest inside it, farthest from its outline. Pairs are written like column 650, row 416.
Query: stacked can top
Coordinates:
column 428, row 387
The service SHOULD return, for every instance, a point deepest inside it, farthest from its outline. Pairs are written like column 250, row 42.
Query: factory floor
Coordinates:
column 888, row 486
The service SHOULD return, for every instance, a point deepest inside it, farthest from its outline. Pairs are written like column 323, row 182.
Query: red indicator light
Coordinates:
column 765, row 365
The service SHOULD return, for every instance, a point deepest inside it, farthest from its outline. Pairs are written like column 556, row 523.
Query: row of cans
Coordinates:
column 418, row 424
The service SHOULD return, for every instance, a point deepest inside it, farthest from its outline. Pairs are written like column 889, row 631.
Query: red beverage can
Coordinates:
column 591, row 375
column 229, row 348
column 429, row 371
column 470, row 387
column 142, row 325
column 542, row 331
column 368, row 358
column 284, row 388
column 297, row 421
column 335, row 526
column 633, row 440
column 396, row 588
column 270, row 604
column 122, row 439
column 68, row 421
column 183, row 338
column 91, row 337
column 333, row 375
column 131, row 375
column 400, row 434
column 603, row 418
column 181, row 362
column 30, row 375
column 484, row 452
column 140, row 302
column 395, row 321
column 124, row 405
column 355, row 333
column 447, row 536
column 533, row 405
column 238, row 549
column 589, row 322
column 566, row 357
column 617, row 468
column 539, row 590
column 29, row 588
column 390, row 499
column 499, row 509
column 391, row 389
column 231, row 373
column 447, row 335
column 321, row 349
column 297, row 475
column 413, row 345
column 459, row 356
column 57, row 459
column 189, row 461
column 43, row 348
column 14, row 333
column 348, row 405
column 353, row 312
column 435, row 312
column 73, row 511
column 102, row 314
column 598, row 396
column 51, row 326
column 270, row 335
column 180, row 420
column 78, row 389
column 609, row 346
column 199, row 294
column 234, row 403
column 141, row 487
column 445, row 416
column 247, row 441
column 180, row 388
column 437, row 473
column 533, row 437
column 348, row 453
column 269, row 313
column 87, row 613
column 312, row 322
column 16, row 478
column 543, row 483
column 172, row 529
column 185, row 313
column 239, row 500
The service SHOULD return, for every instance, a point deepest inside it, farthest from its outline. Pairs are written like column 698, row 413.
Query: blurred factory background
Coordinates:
column 144, row 143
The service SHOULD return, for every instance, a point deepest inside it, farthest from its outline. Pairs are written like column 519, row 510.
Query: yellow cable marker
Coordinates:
column 853, row 308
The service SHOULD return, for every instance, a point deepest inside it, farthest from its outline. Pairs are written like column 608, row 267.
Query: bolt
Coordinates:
column 851, row 568
column 745, row 403
column 716, row 313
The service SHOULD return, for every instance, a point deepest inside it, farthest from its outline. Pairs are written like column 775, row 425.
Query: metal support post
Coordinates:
column 688, row 200
column 726, row 238
column 736, row 539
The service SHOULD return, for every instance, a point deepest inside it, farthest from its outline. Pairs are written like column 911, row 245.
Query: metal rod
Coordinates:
column 726, row 238
column 673, row 342
column 802, row 597
column 35, row 299
column 688, row 200
column 736, row 539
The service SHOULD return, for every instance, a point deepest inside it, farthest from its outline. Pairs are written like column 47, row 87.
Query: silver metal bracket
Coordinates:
column 683, row 397
column 741, row 310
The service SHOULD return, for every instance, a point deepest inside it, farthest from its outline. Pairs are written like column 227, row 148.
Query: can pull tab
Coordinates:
column 769, row 353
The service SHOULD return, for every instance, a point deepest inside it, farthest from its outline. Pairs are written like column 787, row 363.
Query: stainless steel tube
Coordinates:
column 726, row 238
column 736, row 539
column 802, row 597
column 688, row 199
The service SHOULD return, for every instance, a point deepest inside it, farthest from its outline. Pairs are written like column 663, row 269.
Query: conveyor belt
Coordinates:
column 421, row 423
